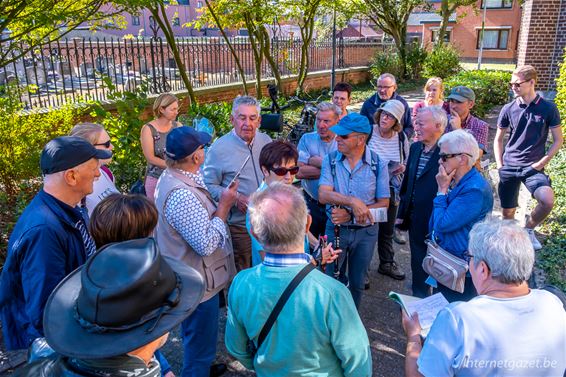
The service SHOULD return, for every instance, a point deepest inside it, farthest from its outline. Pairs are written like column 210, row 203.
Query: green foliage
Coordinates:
column 490, row 87
column 552, row 258
column 124, row 127
column 217, row 113
column 443, row 61
column 560, row 99
column 416, row 57
column 386, row 61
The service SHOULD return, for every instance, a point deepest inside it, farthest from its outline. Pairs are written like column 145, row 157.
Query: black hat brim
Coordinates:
column 103, row 154
column 67, row 337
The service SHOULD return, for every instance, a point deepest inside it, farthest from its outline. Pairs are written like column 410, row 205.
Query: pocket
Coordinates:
column 216, row 270
column 529, row 171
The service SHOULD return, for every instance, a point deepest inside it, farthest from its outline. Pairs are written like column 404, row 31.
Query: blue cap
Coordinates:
column 183, row 141
column 352, row 122
column 66, row 152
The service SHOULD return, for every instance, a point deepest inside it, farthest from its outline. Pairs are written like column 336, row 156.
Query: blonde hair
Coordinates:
column 435, row 81
column 163, row 101
column 88, row 131
column 526, row 72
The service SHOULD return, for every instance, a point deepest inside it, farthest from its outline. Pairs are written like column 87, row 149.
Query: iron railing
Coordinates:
column 66, row 70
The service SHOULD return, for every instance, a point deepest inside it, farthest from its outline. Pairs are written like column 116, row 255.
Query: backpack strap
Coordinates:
column 374, row 163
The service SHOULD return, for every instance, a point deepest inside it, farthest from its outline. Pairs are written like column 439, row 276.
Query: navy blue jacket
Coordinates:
column 373, row 103
column 44, row 247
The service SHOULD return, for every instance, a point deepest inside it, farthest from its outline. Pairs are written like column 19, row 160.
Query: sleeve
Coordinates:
column 481, row 133
column 304, row 154
column 348, row 335
column 365, row 111
column 382, row 183
column 465, row 208
column 236, row 337
column 212, row 173
column 190, row 219
column 326, row 178
column 503, row 120
column 406, row 146
column 408, row 120
column 554, row 117
column 441, row 346
column 43, row 267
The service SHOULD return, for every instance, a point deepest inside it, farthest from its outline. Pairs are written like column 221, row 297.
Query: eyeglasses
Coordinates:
column 283, row 171
column 517, row 84
column 446, row 156
column 387, row 115
column 346, row 137
column 380, row 87
column 106, row 144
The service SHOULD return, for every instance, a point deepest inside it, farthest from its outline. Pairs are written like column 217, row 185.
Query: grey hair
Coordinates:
column 88, row 131
column 278, row 217
column 505, row 247
column 387, row 76
column 461, row 141
column 438, row 115
column 245, row 101
column 328, row 106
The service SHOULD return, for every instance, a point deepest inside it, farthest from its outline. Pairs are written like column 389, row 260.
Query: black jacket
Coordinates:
column 417, row 194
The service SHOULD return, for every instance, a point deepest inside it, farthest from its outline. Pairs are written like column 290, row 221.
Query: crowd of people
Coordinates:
column 94, row 279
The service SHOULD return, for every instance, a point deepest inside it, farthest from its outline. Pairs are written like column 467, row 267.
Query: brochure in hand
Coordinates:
column 427, row 308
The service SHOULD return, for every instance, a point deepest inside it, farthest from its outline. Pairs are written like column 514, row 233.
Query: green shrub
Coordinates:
column 560, row 99
column 217, row 113
column 385, row 61
column 443, row 61
column 490, row 87
column 416, row 57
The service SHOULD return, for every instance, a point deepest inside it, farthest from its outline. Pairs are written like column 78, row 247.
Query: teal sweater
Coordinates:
column 318, row 332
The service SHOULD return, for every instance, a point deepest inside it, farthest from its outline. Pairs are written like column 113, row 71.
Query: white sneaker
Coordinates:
column 536, row 243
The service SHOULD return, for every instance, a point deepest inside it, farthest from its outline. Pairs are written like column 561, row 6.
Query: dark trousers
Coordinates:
column 200, row 335
column 385, row 236
column 318, row 214
column 242, row 244
column 357, row 250
column 418, row 252
column 451, row 296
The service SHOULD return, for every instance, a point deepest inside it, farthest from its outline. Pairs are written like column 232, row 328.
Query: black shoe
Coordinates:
column 218, row 369
column 392, row 270
column 366, row 286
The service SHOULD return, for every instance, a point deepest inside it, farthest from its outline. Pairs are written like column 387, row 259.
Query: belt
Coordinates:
column 356, row 227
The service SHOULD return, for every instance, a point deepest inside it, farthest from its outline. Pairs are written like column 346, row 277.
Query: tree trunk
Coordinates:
column 258, row 54
column 230, row 47
column 272, row 63
column 445, row 14
column 306, row 34
column 169, row 36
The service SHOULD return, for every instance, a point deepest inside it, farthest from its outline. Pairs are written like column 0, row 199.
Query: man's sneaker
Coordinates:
column 392, row 270
column 366, row 285
column 536, row 243
column 399, row 237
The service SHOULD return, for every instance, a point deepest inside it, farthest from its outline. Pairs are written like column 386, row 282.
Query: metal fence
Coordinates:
column 66, row 70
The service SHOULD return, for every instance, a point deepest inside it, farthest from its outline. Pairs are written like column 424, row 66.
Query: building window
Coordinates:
column 135, row 20
column 176, row 21
column 447, row 35
column 199, row 4
column 497, row 4
column 493, row 39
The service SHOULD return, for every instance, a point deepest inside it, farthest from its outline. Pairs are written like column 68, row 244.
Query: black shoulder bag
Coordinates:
column 252, row 348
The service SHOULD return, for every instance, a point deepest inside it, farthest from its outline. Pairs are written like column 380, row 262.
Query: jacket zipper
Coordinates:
column 250, row 147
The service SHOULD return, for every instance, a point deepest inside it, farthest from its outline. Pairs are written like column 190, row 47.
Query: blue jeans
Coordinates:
column 200, row 334
column 357, row 250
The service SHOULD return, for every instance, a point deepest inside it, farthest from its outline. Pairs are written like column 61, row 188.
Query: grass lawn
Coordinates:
column 497, row 66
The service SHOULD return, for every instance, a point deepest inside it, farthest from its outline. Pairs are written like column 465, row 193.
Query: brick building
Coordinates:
column 543, row 38
column 502, row 24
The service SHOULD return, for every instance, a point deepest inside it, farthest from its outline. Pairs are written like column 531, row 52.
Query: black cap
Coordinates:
column 66, row 152
column 183, row 141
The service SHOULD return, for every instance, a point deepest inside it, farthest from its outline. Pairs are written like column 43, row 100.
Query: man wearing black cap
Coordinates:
column 50, row 239
column 109, row 317
column 192, row 229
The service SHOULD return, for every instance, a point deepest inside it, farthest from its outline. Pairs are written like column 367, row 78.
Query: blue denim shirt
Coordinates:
column 454, row 214
column 309, row 146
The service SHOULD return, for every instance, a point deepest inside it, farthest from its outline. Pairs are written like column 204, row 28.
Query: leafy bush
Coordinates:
column 443, row 61
column 560, row 99
column 216, row 113
column 385, row 61
column 416, row 57
column 491, row 88
column 124, row 127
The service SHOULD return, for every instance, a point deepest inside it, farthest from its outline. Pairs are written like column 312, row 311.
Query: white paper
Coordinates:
column 379, row 214
column 427, row 309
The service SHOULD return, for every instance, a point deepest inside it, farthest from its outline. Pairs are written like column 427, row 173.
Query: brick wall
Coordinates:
column 543, row 38
column 227, row 93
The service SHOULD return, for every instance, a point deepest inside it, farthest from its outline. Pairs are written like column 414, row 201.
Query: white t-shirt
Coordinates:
column 487, row 336
column 102, row 187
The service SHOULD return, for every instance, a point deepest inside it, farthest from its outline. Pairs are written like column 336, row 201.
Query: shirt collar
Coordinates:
column 198, row 178
column 286, row 260
column 251, row 144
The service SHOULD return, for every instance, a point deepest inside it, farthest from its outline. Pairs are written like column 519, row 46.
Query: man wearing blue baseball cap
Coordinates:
column 353, row 180
column 50, row 239
column 192, row 229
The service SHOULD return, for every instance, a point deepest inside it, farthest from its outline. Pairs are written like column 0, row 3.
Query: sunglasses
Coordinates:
column 345, row 137
column 283, row 171
column 446, row 156
column 106, row 144
column 517, row 84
